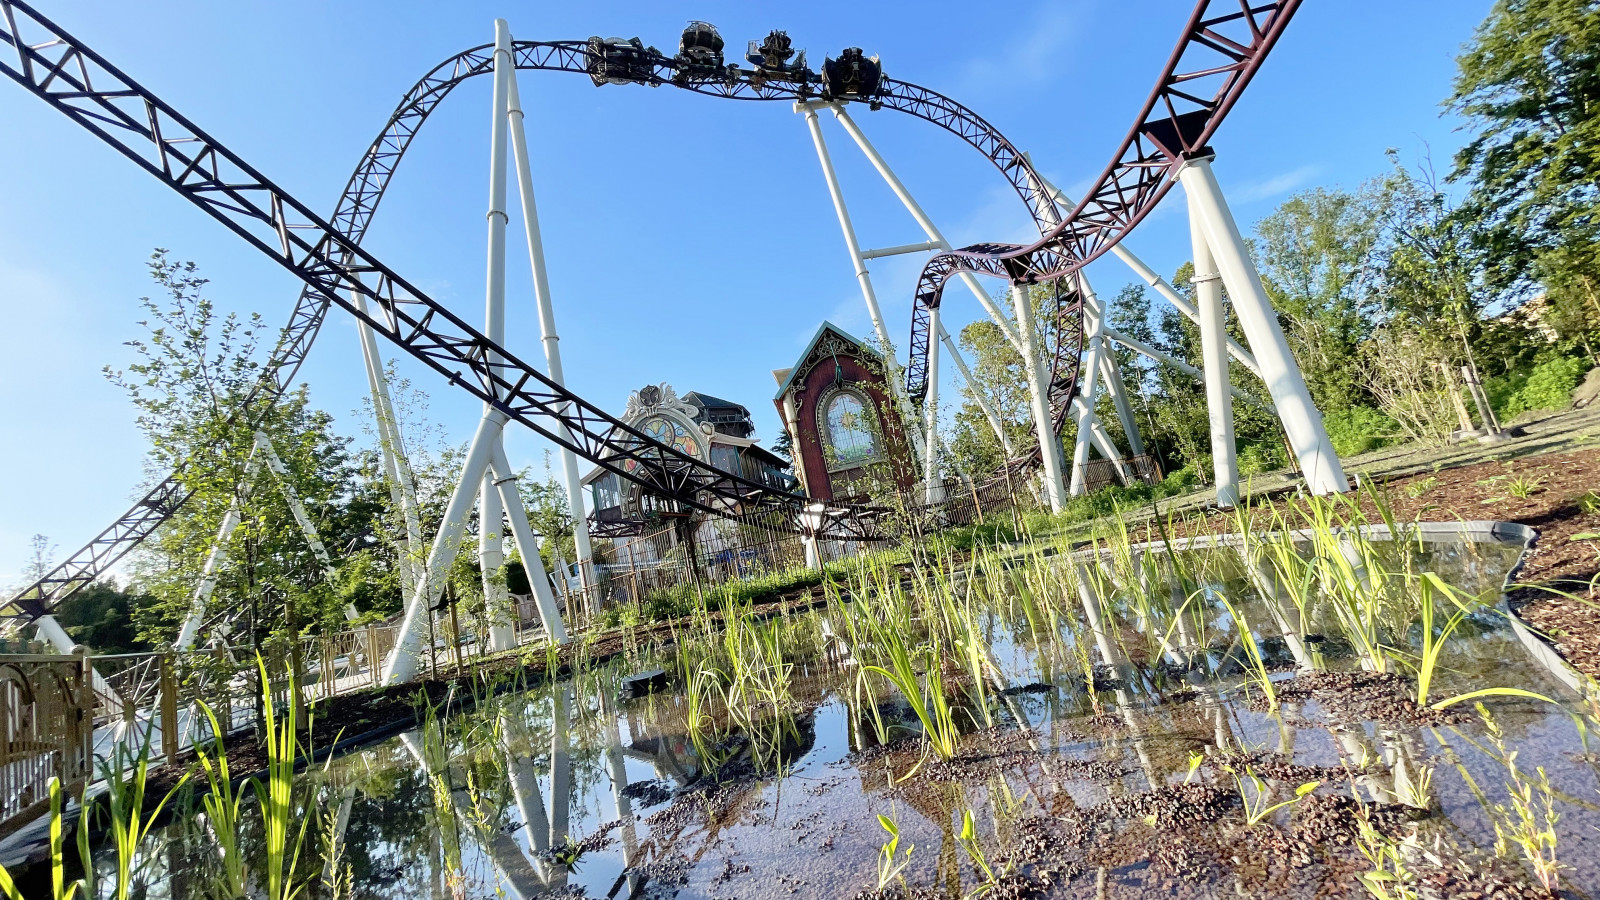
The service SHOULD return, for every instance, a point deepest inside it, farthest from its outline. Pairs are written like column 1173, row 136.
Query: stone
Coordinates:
column 1587, row 392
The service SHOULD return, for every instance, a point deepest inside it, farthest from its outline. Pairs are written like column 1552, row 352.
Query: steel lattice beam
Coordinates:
column 1222, row 46
column 359, row 201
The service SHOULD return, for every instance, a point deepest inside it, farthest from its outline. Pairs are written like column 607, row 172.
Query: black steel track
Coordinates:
column 64, row 73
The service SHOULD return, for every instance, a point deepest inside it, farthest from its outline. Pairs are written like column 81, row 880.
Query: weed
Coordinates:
column 221, row 805
column 1524, row 486
column 275, row 796
column 1528, row 820
column 1256, row 807
column 126, row 775
column 1588, row 503
column 1416, row 490
column 891, row 862
column 968, row 839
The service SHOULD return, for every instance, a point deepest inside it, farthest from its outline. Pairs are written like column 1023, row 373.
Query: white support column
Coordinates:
column 549, row 337
column 527, row 546
column 1148, row 275
column 219, row 554
column 301, row 517
column 1088, row 383
column 402, row 663
column 48, row 630
column 1049, row 442
column 491, row 513
column 1213, row 332
column 1112, row 373
column 896, row 386
column 1301, row 419
column 391, row 446
column 936, row 241
column 923, row 221
column 989, row 411
column 933, row 489
column 1144, row 349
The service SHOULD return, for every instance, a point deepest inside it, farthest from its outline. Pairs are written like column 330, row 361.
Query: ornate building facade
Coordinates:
column 713, row 430
column 835, row 403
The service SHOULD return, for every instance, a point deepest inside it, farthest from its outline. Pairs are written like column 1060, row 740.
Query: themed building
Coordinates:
column 836, row 405
column 708, row 428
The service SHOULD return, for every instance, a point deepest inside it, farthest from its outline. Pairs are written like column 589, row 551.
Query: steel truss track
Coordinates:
column 1223, row 44
column 65, row 73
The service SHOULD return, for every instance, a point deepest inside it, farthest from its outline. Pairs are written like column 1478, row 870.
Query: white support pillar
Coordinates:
column 491, row 512
column 1049, row 442
column 48, row 630
column 928, row 228
column 933, row 489
column 1213, row 333
column 1088, row 383
column 301, row 517
column 1301, row 419
column 989, row 411
column 936, row 241
column 527, row 546
column 402, row 663
column 549, row 337
column 896, row 387
column 1144, row 349
column 1148, row 275
column 1112, row 373
column 391, row 446
column 210, row 569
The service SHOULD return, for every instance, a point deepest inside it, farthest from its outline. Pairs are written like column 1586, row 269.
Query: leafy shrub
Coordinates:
column 1358, row 429
column 1549, row 385
column 1257, row 458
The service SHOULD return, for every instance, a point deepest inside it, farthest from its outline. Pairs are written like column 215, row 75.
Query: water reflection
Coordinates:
column 1102, row 685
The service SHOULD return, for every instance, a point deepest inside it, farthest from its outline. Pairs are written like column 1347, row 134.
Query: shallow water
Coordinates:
column 789, row 808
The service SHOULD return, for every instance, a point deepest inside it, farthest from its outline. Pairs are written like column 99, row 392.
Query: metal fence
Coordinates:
column 46, row 731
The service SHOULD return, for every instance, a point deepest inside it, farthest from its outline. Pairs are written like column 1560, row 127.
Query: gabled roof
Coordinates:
column 824, row 328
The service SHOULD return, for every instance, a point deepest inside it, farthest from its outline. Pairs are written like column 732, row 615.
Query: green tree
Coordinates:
column 1529, row 84
column 194, row 386
column 1317, row 253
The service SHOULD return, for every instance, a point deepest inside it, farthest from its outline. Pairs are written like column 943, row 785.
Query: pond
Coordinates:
column 1207, row 723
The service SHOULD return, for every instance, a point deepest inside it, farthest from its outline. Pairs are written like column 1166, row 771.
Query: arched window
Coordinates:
column 847, row 429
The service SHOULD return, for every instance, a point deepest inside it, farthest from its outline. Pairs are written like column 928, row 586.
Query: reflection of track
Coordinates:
column 1208, row 70
column 366, row 188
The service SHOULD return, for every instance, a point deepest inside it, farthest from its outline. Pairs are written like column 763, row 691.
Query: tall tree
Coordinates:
column 1529, row 83
column 193, row 385
column 1316, row 253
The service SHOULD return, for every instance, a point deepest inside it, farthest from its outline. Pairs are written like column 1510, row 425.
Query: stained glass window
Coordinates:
column 671, row 433
column 849, row 430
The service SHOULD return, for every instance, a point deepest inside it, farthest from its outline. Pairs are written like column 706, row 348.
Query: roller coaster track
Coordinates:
column 1223, row 44
column 94, row 93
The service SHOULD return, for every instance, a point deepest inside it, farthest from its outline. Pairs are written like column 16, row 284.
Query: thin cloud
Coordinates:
column 1032, row 59
column 1251, row 191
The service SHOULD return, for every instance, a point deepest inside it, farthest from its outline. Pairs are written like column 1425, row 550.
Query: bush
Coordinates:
column 1257, row 458
column 1548, row 386
column 1358, row 429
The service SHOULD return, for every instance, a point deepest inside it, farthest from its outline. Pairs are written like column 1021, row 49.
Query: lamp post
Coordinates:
column 812, row 515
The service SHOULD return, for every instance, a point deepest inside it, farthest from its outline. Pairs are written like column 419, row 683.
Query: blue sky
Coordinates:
column 690, row 240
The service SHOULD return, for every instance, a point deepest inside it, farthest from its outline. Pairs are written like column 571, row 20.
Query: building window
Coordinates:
column 847, row 429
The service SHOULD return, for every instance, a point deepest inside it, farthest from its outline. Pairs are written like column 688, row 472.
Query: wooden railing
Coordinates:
column 46, row 731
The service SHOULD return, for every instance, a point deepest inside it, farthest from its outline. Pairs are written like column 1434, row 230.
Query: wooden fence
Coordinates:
column 46, row 731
